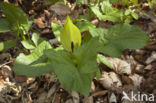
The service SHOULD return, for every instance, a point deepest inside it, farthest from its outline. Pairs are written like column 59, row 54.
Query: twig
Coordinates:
column 55, row 94
column 5, row 64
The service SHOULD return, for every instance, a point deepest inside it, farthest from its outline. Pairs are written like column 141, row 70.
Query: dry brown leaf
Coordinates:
column 112, row 98
column 92, row 87
column 137, row 80
column 4, row 57
column 110, row 80
column 47, row 13
column 152, row 45
column 6, row 73
column 151, row 58
column 95, row 21
column 57, row 98
column 75, row 97
column 20, row 79
column 126, row 80
column 88, row 100
column 39, row 23
column 7, row 87
column 120, row 66
column 139, row 67
column 42, row 98
column 60, row 9
column 99, row 93
column 30, row 80
column 69, row 101
column 151, row 27
column 52, row 90
column 148, row 67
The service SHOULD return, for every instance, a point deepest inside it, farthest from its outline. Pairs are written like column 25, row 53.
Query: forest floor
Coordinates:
column 134, row 71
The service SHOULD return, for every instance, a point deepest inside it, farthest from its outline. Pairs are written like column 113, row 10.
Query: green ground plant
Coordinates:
column 16, row 21
column 106, row 11
column 76, row 64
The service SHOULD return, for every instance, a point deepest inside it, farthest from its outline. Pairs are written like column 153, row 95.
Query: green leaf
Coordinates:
column 97, row 12
column 4, row 25
column 79, row 1
column 128, row 12
column 84, row 25
column 135, row 2
column 75, row 71
column 87, row 37
column 56, row 28
column 86, row 56
column 113, row 15
column 55, row 1
column 120, row 37
column 135, row 15
column 128, row 19
column 104, row 60
column 34, row 64
column 114, row 1
column 36, row 39
column 68, row 74
column 125, row 2
column 28, row 44
column 59, row 48
column 31, row 45
column 15, row 17
column 106, row 7
column 7, row 44
column 82, row 2
column 70, row 35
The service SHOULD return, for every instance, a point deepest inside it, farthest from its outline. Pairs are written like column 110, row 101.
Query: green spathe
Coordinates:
column 70, row 35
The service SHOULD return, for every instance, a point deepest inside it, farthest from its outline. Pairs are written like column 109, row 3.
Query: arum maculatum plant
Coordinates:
column 76, row 64
column 15, row 21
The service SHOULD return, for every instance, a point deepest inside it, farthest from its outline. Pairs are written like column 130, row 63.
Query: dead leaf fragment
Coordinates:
column 99, row 93
column 4, row 57
column 6, row 72
column 148, row 67
column 75, row 96
column 151, row 58
column 88, row 100
column 52, row 91
column 92, row 87
column 20, row 79
column 126, row 80
column 69, row 101
column 42, row 98
column 120, row 66
column 39, row 23
column 60, row 9
column 110, row 80
column 112, row 98
column 137, row 79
